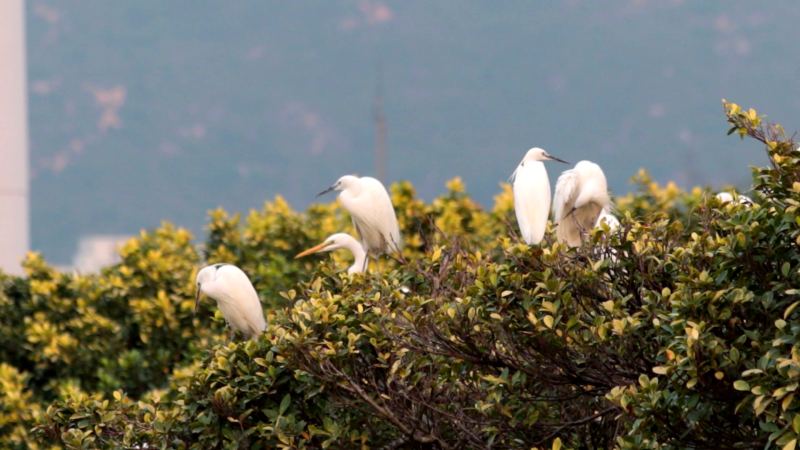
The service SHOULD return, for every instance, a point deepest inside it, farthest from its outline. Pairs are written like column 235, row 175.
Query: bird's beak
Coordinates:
column 314, row 249
column 325, row 191
column 197, row 299
column 556, row 159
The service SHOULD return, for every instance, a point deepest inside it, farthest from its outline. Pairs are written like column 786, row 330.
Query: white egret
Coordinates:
column 235, row 296
column 342, row 240
column 610, row 220
column 581, row 194
column 727, row 197
column 372, row 212
column 531, row 188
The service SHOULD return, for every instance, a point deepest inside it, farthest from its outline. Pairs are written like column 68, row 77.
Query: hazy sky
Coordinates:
column 150, row 110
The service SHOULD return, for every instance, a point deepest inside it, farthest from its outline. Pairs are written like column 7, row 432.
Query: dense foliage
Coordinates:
column 679, row 330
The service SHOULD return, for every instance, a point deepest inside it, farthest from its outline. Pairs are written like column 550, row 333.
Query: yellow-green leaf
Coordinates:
column 661, row 370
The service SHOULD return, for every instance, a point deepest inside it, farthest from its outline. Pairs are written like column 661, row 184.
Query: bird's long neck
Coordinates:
column 360, row 255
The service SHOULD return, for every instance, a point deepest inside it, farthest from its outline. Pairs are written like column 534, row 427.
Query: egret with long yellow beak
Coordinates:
column 342, row 240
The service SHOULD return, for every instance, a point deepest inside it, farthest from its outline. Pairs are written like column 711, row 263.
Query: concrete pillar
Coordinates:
column 14, row 240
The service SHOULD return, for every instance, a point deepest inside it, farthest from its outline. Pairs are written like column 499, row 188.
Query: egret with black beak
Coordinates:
column 235, row 295
column 370, row 207
column 532, row 194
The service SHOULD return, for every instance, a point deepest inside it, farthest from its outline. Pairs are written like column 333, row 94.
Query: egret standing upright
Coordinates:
column 532, row 194
column 342, row 240
column 372, row 212
column 235, row 296
column 581, row 194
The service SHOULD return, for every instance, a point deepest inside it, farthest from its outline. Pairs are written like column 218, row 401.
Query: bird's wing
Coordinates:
column 531, row 202
column 567, row 188
column 243, row 295
column 593, row 188
column 374, row 217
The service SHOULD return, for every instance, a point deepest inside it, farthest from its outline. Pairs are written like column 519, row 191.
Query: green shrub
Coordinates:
column 679, row 330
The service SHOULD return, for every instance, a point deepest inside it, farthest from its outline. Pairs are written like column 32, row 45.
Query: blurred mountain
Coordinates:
column 149, row 110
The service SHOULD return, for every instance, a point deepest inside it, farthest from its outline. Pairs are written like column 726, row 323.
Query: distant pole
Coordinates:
column 14, row 241
column 379, row 119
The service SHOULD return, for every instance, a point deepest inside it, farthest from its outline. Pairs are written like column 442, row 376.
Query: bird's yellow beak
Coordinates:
column 314, row 249
column 197, row 299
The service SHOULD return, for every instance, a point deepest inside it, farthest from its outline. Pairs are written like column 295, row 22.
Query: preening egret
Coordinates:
column 581, row 193
column 727, row 197
column 532, row 194
column 608, row 219
column 235, row 296
column 372, row 212
column 342, row 240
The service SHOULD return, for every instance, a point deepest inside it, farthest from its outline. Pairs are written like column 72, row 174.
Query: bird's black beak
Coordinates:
column 197, row 299
column 325, row 191
column 556, row 159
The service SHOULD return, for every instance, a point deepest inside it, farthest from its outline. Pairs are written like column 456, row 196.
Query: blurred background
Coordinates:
column 146, row 110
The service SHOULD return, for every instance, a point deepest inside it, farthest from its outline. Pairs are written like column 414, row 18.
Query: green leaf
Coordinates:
column 741, row 385
column 287, row 399
column 661, row 370
column 790, row 309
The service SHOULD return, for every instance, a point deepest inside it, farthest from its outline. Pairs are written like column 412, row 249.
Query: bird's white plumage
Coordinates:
column 607, row 219
column 342, row 240
column 531, row 188
column 235, row 296
column 532, row 200
column 727, row 197
column 370, row 207
column 566, row 193
column 581, row 193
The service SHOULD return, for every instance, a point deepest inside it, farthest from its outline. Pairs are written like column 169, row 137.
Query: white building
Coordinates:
column 14, row 240
column 97, row 251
